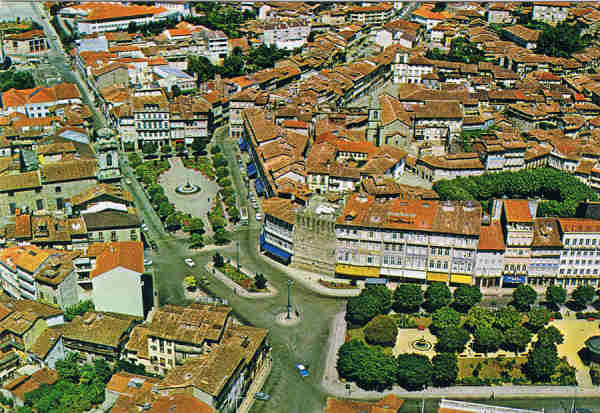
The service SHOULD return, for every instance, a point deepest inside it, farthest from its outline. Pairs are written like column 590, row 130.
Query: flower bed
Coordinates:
column 240, row 278
column 335, row 285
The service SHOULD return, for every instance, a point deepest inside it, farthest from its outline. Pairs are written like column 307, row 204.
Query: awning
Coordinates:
column 179, row 140
column 243, row 145
column 357, row 271
column 512, row 279
column 392, row 272
column 420, row 275
column 376, row 281
column 251, row 170
column 461, row 279
column 260, row 188
column 273, row 249
column 437, row 276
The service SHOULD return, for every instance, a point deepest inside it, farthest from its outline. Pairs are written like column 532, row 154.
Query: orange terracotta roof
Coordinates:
column 579, row 224
column 517, row 210
column 491, row 237
column 110, row 11
column 179, row 403
column 126, row 254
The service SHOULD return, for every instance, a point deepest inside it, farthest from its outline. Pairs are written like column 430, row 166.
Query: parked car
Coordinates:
column 144, row 227
column 259, row 216
column 302, row 369
column 190, row 262
column 147, row 262
column 262, row 396
column 128, row 181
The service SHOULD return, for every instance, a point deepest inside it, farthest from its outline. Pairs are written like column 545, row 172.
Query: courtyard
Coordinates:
column 406, row 338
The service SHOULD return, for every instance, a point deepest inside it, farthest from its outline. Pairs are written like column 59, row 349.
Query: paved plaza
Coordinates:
column 407, row 336
column 197, row 204
column 576, row 332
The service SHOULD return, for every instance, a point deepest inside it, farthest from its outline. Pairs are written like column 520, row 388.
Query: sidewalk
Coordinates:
column 257, row 383
column 311, row 280
column 332, row 385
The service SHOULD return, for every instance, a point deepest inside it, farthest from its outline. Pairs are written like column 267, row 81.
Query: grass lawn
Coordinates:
column 505, row 369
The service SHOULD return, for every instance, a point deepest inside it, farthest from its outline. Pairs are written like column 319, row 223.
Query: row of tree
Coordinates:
column 561, row 192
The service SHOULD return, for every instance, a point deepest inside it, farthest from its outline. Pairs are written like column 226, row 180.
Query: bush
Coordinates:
column 355, row 355
column 595, row 373
column 405, row 321
column 215, row 150
column 381, row 331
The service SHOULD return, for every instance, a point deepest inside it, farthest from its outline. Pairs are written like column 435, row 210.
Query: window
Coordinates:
column 113, row 235
column 567, row 240
column 39, row 204
column 58, row 189
column 11, row 193
column 54, row 300
column 38, row 190
column 59, row 203
column 587, row 241
column 101, row 235
column 13, row 208
column 133, row 235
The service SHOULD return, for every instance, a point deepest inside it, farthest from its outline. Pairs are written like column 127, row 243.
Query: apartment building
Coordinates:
column 580, row 255
column 36, row 102
column 178, row 333
column 408, row 239
column 97, row 335
column 374, row 14
column 410, row 69
column 517, row 220
column 90, row 18
column 31, row 42
column 287, row 35
column 551, row 12
column 151, row 115
column 277, row 237
column 21, row 267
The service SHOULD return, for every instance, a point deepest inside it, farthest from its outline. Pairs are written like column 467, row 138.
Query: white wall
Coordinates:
column 119, row 291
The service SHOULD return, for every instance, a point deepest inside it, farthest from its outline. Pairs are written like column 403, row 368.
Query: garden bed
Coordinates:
column 336, row 285
column 240, row 278
column 482, row 371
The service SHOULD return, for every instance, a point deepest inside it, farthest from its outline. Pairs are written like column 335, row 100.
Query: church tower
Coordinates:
column 373, row 128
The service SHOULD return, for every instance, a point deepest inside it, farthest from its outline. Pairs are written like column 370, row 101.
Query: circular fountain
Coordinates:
column 187, row 189
column 421, row 344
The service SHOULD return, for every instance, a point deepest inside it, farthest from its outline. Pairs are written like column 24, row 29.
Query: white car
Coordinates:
column 190, row 262
column 144, row 227
column 128, row 181
column 259, row 216
column 147, row 262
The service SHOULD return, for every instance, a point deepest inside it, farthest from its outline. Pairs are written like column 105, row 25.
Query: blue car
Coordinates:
column 302, row 369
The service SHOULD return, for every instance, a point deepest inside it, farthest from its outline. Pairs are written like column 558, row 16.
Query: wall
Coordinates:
column 118, row 290
column 314, row 243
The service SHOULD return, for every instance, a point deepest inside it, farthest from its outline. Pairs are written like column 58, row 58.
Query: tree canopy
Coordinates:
column 507, row 317
column 437, row 296
column 561, row 40
column 562, row 192
column 487, row 339
column 407, row 298
column 414, row 371
column 461, row 50
column 537, row 318
column 452, row 340
column 556, row 295
column 549, row 336
column 443, row 318
column 369, row 367
column 541, row 363
column 516, row 338
column 479, row 316
column 582, row 296
column 382, row 331
column 16, row 79
column 466, row 296
column 445, row 369
column 524, row 296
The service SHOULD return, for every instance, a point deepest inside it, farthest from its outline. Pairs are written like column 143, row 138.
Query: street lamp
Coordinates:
column 237, row 257
column 289, row 306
